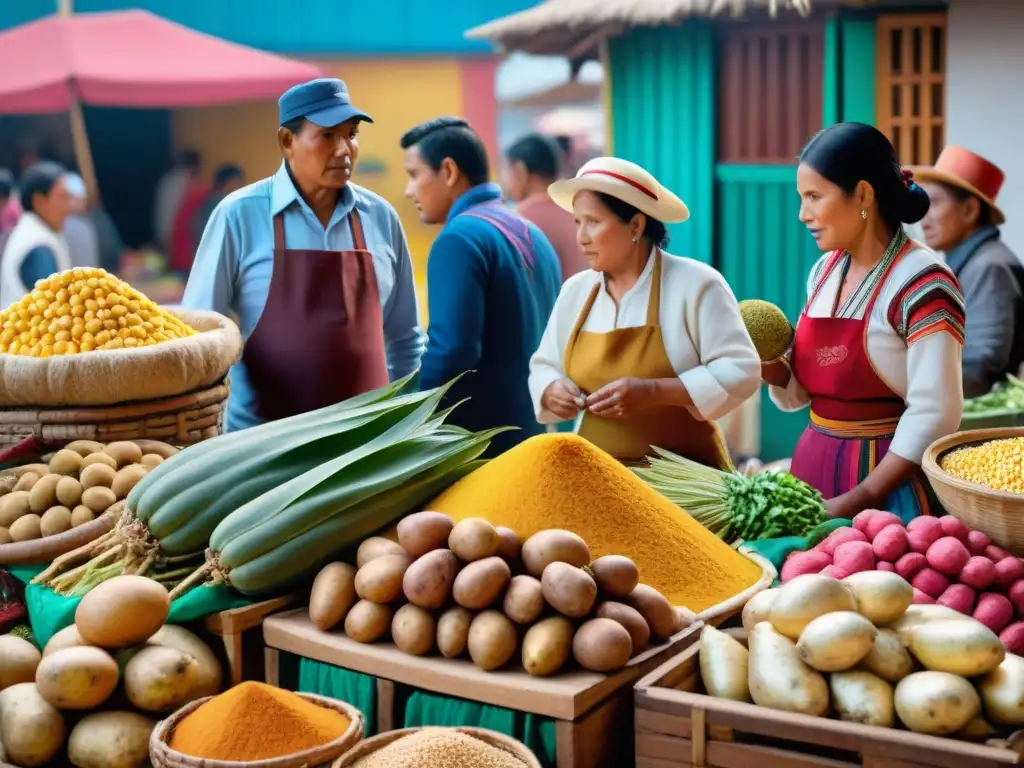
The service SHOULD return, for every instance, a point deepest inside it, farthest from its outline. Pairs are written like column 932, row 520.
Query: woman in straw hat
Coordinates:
column 964, row 221
column 647, row 348
column 878, row 345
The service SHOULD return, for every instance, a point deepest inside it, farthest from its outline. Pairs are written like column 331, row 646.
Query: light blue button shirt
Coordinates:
column 235, row 259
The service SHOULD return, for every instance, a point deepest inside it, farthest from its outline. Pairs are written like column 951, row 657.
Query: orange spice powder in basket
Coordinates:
column 254, row 721
column 563, row 481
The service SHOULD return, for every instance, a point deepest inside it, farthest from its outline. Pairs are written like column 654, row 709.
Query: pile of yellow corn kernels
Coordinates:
column 82, row 310
column 998, row 464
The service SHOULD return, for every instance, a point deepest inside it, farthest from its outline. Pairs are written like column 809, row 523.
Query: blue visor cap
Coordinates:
column 324, row 102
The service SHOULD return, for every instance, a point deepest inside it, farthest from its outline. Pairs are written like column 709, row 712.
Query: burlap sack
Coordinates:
column 115, row 376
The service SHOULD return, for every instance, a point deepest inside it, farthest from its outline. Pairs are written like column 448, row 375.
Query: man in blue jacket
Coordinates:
column 492, row 280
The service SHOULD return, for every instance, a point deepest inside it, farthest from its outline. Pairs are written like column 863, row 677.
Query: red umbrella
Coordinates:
column 132, row 59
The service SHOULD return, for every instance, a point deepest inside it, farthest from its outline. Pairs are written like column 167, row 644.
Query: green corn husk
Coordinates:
column 733, row 506
column 175, row 515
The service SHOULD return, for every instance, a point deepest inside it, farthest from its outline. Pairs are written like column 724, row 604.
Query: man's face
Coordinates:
column 55, row 207
column 322, row 157
column 232, row 184
column 515, row 180
column 427, row 188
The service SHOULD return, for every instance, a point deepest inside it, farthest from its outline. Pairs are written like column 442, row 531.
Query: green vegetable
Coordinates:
column 1006, row 396
column 733, row 506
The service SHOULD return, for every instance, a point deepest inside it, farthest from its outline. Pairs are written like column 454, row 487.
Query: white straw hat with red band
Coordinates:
column 626, row 181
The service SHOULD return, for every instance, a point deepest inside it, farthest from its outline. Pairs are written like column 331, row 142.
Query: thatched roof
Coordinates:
column 574, row 27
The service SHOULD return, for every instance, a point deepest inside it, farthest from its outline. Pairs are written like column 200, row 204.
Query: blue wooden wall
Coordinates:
column 314, row 27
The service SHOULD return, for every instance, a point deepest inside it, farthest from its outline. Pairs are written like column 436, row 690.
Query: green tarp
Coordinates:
column 49, row 612
column 777, row 550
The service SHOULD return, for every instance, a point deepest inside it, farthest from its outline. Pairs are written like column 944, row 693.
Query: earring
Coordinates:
column 636, row 239
column 864, row 213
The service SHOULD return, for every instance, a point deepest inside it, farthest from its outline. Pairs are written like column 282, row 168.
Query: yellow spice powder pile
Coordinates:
column 563, row 481
column 440, row 748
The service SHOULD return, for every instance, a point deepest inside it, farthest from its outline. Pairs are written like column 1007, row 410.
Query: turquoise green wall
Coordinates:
column 858, row 70
column 662, row 84
column 765, row 253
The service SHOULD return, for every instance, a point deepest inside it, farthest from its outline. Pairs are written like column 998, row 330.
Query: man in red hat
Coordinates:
column 964, row 221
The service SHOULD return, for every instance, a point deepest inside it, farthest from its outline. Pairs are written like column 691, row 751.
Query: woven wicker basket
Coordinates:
column 180, row 420
column 515, row 748
column 162, row 756
column 998, row 514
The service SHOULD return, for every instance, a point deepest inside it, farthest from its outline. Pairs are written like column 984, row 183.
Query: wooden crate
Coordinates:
column 590, row 709
column 678, row 725
column 232, row 627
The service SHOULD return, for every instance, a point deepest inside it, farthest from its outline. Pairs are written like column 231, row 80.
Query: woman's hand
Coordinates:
column 563, row 398
column 620, row 398
column 776, row 374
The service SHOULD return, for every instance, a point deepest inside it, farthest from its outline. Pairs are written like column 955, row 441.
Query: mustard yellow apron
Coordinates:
column 593, row 360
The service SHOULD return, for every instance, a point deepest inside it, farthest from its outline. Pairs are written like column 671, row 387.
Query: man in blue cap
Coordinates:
column 316, row 269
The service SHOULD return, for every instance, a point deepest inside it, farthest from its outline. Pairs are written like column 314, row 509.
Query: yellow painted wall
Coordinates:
column 398, row 93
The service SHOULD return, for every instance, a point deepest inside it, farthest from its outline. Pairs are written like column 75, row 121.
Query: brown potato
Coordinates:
column 5, row 536
column 552, row 546
column 156, row 447
column 126, row 479
column 98, row 458
column 524, row 600
column 423, row 532
column 413, row 630
column 84, row 447
column 13, row 506
column 630, row 619
column 123, row 452
column 26, row 528
column 661, row 617
column 69, row 492
column 98, row 498
column 474, row 539
column 453, row 631
column 493, row 640
column 568, row 589
column 81, row 515
column 55, row 520
column 27, row 481
column 602, row 645
column 428, row 581
column 376, row 546
column 97, row 474
column 43, row 494
column 66, row 462
column 367, row 621
column 616, row 576
column 547, row 646
column 380, row 580
column 151, row 461
column 480, row 584
column 333, row 595
column 509, row 544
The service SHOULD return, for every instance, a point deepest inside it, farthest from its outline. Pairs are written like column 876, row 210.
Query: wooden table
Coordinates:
column 590, row 709
column 230, row 626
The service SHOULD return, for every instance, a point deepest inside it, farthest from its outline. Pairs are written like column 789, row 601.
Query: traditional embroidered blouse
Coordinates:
column 915, row 341
column 701, row 327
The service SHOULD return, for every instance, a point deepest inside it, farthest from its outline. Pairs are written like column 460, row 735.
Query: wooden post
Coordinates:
column 79, row 136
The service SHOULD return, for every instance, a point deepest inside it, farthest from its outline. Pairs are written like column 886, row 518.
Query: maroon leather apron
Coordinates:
column 320, row 338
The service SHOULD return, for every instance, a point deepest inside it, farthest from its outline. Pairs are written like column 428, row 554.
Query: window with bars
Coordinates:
column 911, row 79
column 769, row 91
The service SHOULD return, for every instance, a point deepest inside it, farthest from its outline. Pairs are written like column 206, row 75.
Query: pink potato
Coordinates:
column 882, row 565
column 959, row 597
column 880, row 520
column 1013, row 638
column 925, row 523
column 948, row 555
column 839, row 536
column 978, row 542
column 920, row 598
column 931, row 582
column 922, row 537
column 911, row 564
column 996, row 554
column 979, row 573
column 1008, row 570
column 1016, row 595
column 891, row 543
column 860, row 520
column 799, row 563
column 953, row 527
column 833, row 572
column 854, row 557
column 994, row 611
